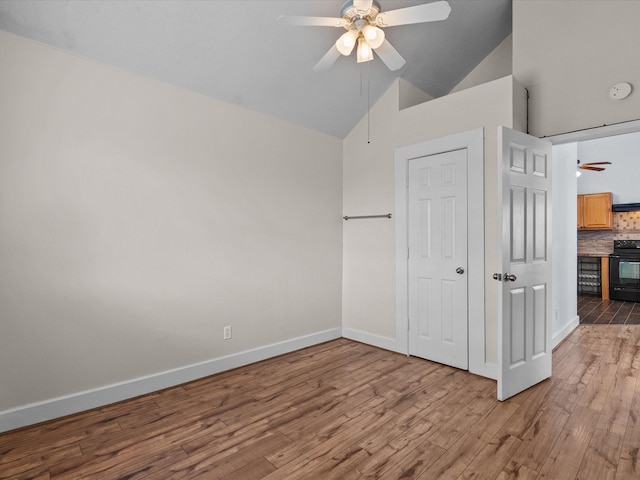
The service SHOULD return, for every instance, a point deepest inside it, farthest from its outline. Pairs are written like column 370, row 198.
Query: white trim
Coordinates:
column 565, row 332
column 473, row 142
column 78, row 402
column 484, row 369
column 597, row 132
column 385, row 343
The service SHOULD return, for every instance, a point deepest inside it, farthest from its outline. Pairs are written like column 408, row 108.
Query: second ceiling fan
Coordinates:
column 363, row 21
column 592, row 166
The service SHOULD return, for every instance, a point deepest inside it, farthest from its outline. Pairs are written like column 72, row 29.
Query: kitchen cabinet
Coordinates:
column 594, row 211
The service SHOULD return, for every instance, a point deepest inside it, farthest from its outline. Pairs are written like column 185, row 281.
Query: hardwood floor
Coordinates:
column 344, row 410
column 594, row 310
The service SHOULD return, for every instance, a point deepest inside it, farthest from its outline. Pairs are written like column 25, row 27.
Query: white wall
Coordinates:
column 564, row 243
column 622, row 176
column 368, row 311
column 137, row 219
column 568, row 54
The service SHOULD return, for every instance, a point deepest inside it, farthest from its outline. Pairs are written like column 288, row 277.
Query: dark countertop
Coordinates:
column 593, row 254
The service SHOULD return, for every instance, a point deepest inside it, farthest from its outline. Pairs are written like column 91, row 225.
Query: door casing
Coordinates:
column 473, row 142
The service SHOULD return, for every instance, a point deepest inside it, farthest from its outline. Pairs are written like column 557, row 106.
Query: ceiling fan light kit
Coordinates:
column 346, row 42
column 364, row 52
column 373, row 35
column 363, row 20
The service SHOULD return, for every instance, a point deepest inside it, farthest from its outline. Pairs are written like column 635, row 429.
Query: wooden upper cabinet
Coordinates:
column 594, row 211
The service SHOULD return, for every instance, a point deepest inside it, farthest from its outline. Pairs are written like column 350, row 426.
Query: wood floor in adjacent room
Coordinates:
column 344, row 410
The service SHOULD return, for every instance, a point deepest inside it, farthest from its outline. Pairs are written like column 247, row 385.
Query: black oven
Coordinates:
column 624, row 271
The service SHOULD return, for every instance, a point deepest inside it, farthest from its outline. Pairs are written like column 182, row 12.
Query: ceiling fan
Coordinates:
column 363, row 22
column 590, row 166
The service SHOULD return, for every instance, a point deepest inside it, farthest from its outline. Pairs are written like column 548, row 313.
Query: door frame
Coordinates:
column 473, row 142
column 566, row 318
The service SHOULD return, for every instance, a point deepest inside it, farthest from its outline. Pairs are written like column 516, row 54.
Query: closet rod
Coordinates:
column 386, row 215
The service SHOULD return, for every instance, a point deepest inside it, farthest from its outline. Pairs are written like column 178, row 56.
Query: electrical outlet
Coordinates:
column 226, row 335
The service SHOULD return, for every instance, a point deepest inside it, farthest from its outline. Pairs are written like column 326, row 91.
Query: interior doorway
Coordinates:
column 565, row 247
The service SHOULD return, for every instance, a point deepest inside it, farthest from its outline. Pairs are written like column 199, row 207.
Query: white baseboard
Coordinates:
column 385, row 343
column 58, row 407
column 565, row 331
column 487, row 370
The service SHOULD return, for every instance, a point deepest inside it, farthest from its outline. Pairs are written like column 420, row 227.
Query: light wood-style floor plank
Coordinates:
column 344, row 410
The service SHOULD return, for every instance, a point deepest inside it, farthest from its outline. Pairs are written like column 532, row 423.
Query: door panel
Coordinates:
column 524, row 331
column 518, row 319
column 540, row 207
column 518, row 227
column 437, row 237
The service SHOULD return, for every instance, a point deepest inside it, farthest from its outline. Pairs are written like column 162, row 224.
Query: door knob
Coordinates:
column 459, row 270
column 497, row 276
column 510, row 278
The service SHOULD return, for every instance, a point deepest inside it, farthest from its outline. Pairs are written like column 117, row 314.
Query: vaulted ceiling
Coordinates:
column 236, row 50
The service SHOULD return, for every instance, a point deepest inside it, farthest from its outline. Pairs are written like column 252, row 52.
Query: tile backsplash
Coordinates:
column 626, row 226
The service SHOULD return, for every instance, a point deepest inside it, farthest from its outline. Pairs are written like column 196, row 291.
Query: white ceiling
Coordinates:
column 236, row 51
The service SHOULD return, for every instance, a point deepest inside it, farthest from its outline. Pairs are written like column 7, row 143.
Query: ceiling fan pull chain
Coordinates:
column 368, row 102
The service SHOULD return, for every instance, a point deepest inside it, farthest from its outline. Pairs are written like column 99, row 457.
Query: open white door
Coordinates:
column 524, row 324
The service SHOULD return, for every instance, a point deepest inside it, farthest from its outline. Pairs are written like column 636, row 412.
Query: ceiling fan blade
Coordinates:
column 587, row 167
column 329, row 59
column 363, row 5
column 311, row 21
column 390, row 56
column 429, row 12
column 598, row 163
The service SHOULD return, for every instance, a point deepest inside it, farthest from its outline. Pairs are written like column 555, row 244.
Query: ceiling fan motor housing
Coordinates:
column 350, row 13
column 363, row 22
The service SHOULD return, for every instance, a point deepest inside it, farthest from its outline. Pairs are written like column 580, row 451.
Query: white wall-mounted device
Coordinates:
column 620, row 91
